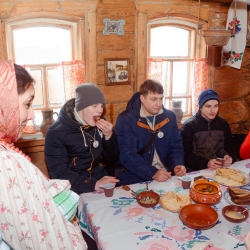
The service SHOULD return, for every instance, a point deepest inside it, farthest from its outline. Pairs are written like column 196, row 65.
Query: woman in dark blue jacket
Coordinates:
column 81, row 143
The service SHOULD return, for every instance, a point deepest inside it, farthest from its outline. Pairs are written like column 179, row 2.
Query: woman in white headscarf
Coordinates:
column 29, row 217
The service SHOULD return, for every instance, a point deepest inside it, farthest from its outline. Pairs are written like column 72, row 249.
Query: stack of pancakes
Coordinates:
column 229, row 177
column 173, row 202
column 239, row 196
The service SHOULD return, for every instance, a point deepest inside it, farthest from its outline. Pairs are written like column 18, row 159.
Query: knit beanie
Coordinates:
column 207, row 95
column 88, row 94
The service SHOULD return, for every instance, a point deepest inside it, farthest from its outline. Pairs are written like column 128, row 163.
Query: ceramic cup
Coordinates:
column 108, row 189
column 186, row 182
column 221, row 160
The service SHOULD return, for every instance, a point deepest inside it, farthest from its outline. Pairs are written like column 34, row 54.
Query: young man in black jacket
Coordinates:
column 81, row 143
column 206, row 136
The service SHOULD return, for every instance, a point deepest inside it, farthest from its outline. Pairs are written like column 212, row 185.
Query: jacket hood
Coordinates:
column 66, row 115
column 134, row 104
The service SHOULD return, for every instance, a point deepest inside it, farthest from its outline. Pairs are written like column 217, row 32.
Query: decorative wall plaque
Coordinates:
column 113, row 27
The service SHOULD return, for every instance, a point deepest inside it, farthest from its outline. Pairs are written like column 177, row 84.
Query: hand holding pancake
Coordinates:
column 106, row 128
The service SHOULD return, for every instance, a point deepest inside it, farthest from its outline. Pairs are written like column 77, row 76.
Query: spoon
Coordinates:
column 127, row 188
column 240, row 214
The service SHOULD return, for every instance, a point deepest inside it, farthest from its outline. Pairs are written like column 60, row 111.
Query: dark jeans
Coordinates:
column 90, row 242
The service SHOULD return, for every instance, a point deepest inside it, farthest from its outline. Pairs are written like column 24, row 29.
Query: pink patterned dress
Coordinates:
column 29, row 218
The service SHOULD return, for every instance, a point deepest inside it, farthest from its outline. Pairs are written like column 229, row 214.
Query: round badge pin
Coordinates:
column 160, row 134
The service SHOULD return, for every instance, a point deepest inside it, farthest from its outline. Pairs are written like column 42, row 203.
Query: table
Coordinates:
column 120, row 223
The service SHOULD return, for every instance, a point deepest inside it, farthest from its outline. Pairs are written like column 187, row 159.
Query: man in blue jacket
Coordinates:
column 148, row 138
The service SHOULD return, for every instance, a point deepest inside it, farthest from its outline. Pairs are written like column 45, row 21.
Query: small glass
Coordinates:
column 30, row 127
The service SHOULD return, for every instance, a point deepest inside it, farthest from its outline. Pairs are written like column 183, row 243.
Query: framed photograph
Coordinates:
column 117, row 71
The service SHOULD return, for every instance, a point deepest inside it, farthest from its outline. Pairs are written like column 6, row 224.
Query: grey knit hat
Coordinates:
column 88, row 94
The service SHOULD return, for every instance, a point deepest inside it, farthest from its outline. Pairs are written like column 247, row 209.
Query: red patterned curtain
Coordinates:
column 200, row 80
column 154, row 69
column 74, row 74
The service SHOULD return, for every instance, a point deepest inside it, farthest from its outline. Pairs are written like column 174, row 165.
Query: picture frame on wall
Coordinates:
column 117, row 71
column 113, row 27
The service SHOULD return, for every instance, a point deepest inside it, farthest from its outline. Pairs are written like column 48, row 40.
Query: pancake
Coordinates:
column 229, row 177
column 173, row 202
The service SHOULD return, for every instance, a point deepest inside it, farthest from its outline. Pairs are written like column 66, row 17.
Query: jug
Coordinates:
column 48, row 120
column 176, row 107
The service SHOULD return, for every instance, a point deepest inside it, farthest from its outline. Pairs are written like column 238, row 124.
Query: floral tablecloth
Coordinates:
column 120, row 223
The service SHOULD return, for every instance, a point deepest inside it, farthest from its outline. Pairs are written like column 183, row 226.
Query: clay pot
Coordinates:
column 205, row 192
column 176, row 107
column 48, row 120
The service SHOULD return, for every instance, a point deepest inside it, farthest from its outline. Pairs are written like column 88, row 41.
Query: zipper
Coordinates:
column 209, row 135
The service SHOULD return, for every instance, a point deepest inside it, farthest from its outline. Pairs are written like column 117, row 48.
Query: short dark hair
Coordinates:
column 23, row 79
column 151, row 86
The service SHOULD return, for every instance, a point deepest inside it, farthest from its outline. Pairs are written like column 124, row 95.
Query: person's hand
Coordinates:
column 106, row 128
column 247, row 241
column 162, row 175
column 214, row 164
column 180, row 170
column 228, row 161
column 75, row 220
column 105, row 180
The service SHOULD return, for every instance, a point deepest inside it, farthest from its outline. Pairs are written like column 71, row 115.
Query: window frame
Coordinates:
column 194, row 45
column 75, row 26
column 44, row 68
column 52, row 22
column 42, row 22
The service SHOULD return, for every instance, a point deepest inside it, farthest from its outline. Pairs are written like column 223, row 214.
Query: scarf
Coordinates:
column 9, row 106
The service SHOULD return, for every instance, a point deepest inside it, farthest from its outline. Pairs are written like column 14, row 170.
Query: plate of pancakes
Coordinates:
column 231, row 177
column 239, row 196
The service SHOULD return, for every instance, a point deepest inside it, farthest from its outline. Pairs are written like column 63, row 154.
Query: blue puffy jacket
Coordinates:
column 133, row 133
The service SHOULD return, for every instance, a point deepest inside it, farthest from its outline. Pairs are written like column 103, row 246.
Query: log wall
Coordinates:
column 231, row 84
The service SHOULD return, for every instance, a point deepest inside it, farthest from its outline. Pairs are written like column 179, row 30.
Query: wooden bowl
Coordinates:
column 205, row 197
column 198, row 216
column 148, row 198
column 230, row 211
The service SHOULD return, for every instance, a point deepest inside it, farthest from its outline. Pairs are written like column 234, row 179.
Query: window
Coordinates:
column 42, row 45
column 174, row 43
